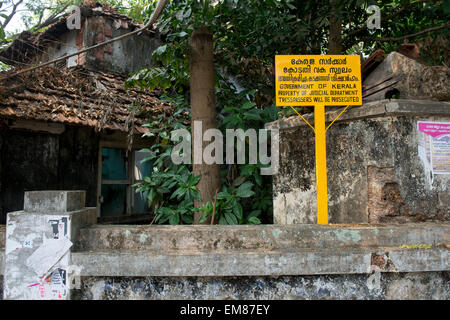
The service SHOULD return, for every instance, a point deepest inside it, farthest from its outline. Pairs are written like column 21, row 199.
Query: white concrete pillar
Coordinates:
column 39, row 240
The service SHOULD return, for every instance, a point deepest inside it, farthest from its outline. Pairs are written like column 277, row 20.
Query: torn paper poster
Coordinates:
column 58, row 283
column 53, row 287
column 434, row 146
column 59, row 227
column 47, row 255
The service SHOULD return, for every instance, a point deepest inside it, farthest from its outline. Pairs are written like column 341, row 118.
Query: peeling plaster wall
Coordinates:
column 431, row 285
column 123, row 57
column 396, row 286
column 274, row 262
column 66, row 44
column 42, row 161
column 352, row 148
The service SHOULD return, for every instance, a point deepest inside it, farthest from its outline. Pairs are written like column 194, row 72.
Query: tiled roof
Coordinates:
column 80, row 97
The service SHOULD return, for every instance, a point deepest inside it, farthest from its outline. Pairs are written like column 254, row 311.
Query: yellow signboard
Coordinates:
column 306, row 80
column 318, row 80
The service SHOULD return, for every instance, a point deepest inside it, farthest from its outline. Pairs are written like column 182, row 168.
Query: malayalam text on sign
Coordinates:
column 306, row 80
column 434, row 146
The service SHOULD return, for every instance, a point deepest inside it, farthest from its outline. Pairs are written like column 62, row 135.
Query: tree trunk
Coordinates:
column 203, row 109
column 335, row 38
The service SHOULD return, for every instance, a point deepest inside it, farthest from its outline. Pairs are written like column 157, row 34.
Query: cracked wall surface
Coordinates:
column 429, row 285
column 374, row 172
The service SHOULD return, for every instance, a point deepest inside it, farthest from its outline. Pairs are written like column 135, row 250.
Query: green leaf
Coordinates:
column 258, row 178
column 163, row 219
column 160, row 50
column 148, row 134
column 179, row 15
column 247, row 170
column 254, row 213
column 193, row 180
column 254, row 220
column 182, row 34
column 238, row 181
column 244, row 190
column 238, row 210
column 174, row 219
column 223, row 195
column 151, row 195
column 231, row 219
column 187, row 219
column 187, row 14
column 203, row 218
column 248, row 105
column 180, row 192
column 290, row 6
column 193, row 194
column 253, row 115
column 222, row 221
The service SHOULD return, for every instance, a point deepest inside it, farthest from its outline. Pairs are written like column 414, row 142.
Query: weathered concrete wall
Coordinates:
column 433, row 285
column 263, row 262
column 37, row 259
column 395, row 286
column 42, row 161
column 123, row 57
column 374, row 171
column 256, row 238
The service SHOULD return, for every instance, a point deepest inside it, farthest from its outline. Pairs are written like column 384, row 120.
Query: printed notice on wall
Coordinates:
column 434, row 146
column 306, row 80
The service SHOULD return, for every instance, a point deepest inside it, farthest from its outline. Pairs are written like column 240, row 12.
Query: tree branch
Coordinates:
column 50, row 19
column 13, row 12
column 409, row 35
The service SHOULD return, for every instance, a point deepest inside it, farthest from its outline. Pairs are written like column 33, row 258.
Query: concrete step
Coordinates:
column 259, row 250
column 262, row 237
column 260, row 263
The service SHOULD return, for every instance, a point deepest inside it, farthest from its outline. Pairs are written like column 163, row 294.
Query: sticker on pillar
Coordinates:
column 59, row 227
column 58, row 283
column 28, row 244
column 434, row 146
column 47, row 255
column 52, row 287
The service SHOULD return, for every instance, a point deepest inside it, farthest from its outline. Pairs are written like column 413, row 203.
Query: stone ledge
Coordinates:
column 260, row 250
column 375, row 109
column 260, row 237
column 49, row 201
column 275, row 263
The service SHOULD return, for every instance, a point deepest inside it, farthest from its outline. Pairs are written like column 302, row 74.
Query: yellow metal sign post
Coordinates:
column 318, row 80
